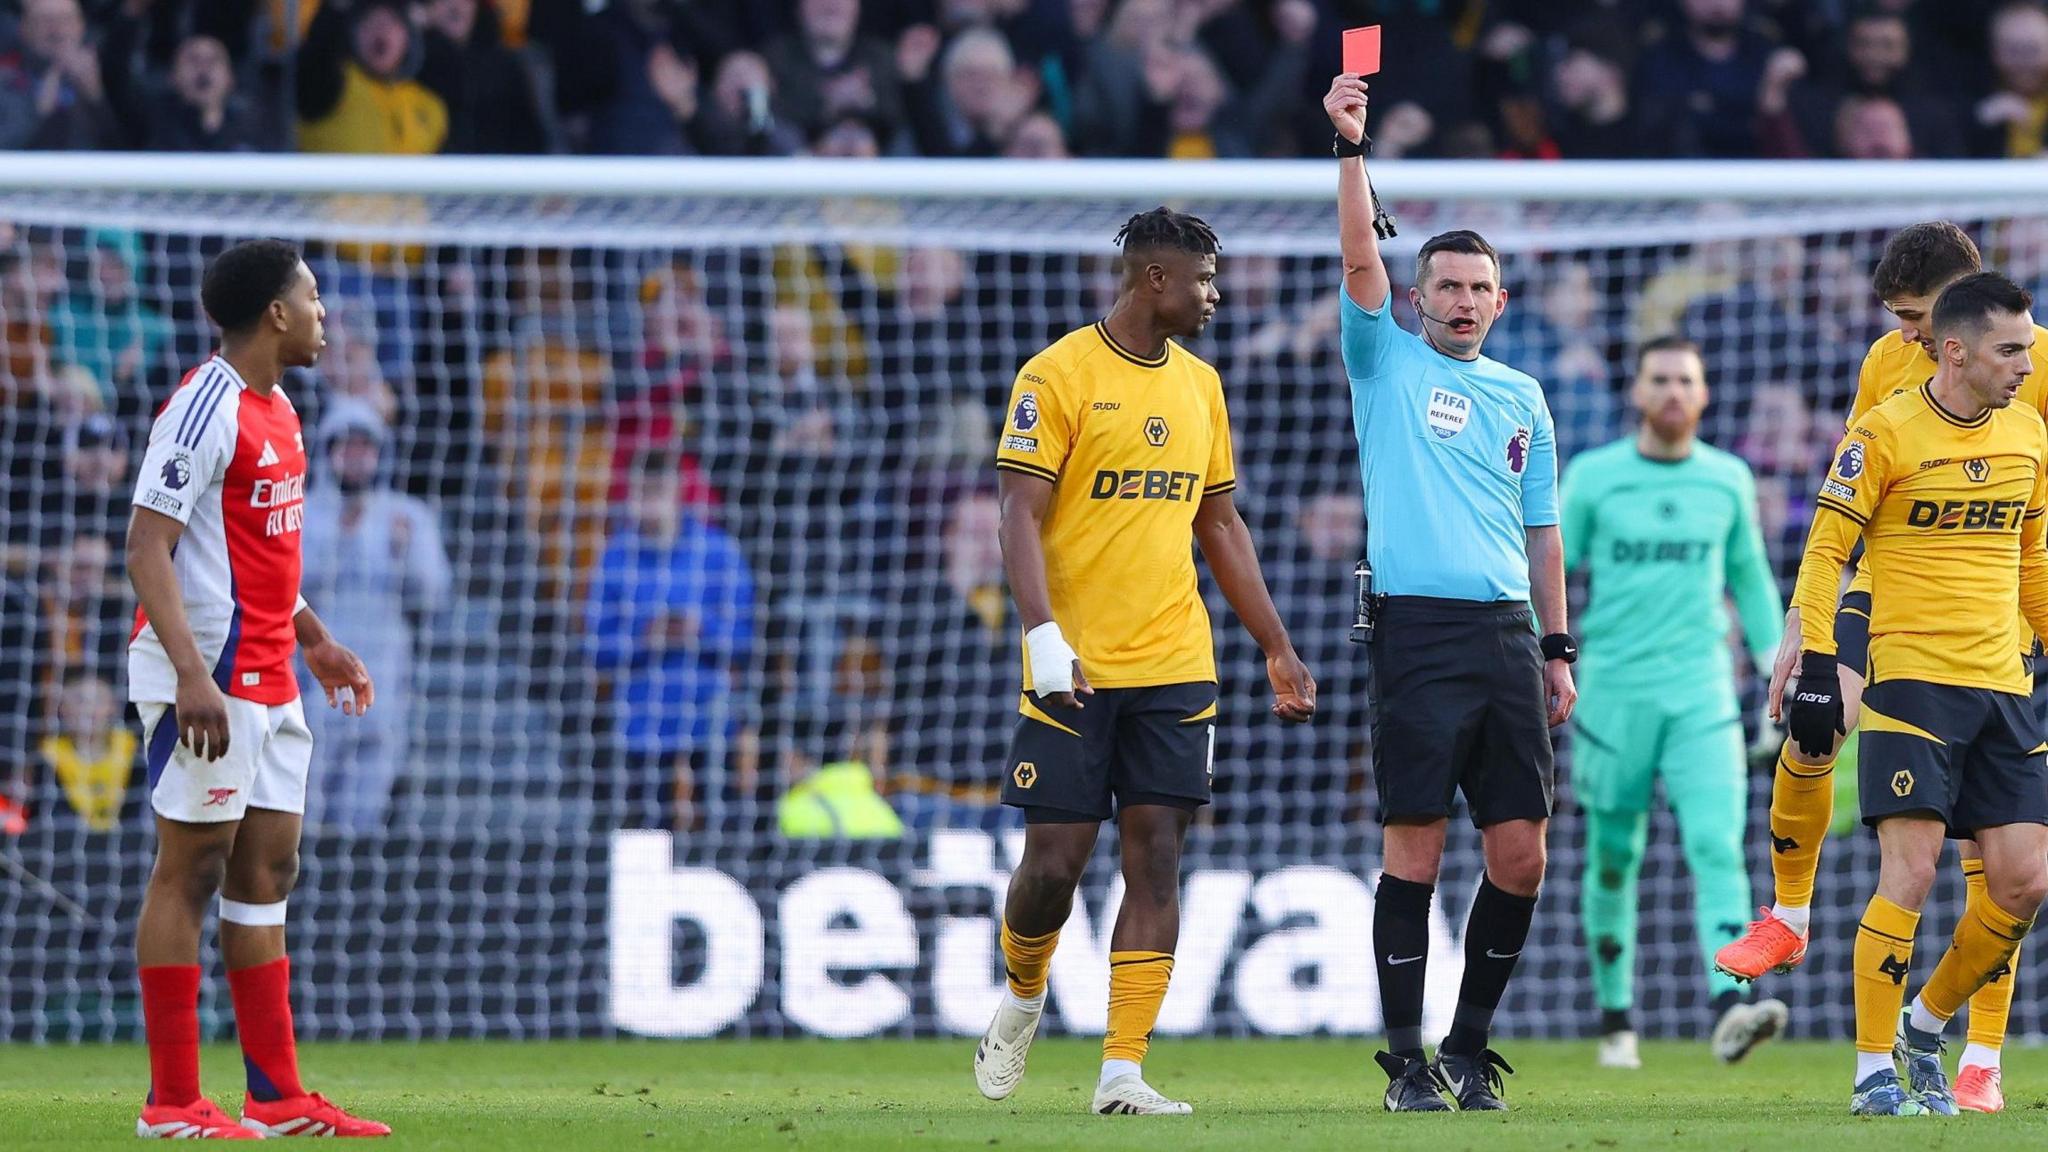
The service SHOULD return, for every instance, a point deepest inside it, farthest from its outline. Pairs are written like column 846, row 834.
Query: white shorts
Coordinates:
column 269, row 750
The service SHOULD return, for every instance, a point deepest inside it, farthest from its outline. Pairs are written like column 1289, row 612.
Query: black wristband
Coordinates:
column 1561, row 646
column 1344, row 149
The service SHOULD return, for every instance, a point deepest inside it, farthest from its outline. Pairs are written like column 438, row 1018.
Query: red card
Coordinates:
column 1362, row 51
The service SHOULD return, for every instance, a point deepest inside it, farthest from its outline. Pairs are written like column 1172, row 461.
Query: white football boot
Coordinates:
column 999, row 1058
column 1129, row 1095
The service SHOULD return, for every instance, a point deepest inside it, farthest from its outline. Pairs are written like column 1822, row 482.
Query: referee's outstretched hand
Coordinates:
column 1294, row 690
column 1345, row 105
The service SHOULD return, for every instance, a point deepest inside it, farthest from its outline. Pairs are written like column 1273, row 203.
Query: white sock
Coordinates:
column 1794, row 918
column 1017, row 1013
column 1924, row 1020
column 1979, row 1056
column 1111, row 1069
column 1869, row 1062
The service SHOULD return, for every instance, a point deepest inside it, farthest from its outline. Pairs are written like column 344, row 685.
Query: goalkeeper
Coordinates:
column 1666, row 526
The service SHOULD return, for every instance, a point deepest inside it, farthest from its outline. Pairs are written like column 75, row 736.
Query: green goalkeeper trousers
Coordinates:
column 1622, row 747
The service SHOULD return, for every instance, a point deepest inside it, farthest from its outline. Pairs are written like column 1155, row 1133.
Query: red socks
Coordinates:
column 170, row 1017
column 263, row 1017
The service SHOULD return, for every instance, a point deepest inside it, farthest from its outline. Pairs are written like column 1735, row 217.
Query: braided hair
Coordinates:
column 1162, row 227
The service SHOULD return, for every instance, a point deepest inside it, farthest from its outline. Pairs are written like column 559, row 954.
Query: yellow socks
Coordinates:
column 1884, row 954
column 1991, row 1005
column 1137, row 986
column 1985, row 940
column 1026, row 958
column 1802, row 804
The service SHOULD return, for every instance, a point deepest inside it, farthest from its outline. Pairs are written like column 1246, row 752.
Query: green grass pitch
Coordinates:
column 1265, row 1095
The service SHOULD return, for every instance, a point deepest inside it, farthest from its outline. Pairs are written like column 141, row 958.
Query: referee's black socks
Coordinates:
column 1400, row 943
column 1494, row 934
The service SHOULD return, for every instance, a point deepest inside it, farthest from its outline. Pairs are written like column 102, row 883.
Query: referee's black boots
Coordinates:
column 1473, row 1081
column 1413, row 1084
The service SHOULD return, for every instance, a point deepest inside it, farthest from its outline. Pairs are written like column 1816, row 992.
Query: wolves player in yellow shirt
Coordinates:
column 1947, row 487
column 1918, row 262
column 1115, row 454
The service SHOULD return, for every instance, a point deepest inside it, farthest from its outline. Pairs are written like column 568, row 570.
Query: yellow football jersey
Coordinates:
column 1950, row 514
column 1131, row 447
column 1893, row 366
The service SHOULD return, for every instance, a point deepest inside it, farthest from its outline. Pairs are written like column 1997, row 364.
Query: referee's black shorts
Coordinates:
column 1459, row 705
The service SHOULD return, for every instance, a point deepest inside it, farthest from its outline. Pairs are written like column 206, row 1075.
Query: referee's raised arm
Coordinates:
column 1365, row 274
column 1458, row 465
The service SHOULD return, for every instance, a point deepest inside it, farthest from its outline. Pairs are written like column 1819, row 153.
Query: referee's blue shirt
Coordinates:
column 1458, row 458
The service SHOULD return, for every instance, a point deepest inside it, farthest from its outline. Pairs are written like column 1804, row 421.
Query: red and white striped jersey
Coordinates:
column 229, row 464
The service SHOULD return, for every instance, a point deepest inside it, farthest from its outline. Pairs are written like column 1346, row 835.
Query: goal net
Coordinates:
column 651, row 513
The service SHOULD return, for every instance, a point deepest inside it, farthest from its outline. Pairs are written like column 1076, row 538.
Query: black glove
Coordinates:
column 1815, row 716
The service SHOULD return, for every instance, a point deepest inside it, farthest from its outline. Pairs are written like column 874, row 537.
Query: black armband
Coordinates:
column 1561, row 646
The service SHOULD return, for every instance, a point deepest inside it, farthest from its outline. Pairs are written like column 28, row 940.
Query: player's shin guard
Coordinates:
column 1026, row 959
column 1884, row 955
column 170, row 1016
column 1802, row 804
column 1137, row 986
column 1991, row 1005
column 1985, row 940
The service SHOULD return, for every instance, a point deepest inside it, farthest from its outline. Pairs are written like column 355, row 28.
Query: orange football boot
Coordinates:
column 1767, row 945
column 308, row 1115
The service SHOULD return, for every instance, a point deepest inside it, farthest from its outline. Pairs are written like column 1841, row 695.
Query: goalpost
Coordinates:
column 802, row 365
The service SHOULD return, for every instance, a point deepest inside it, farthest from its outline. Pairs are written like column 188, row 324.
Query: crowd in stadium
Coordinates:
column 1887, row 79
column 766, row 524
column 747, row 492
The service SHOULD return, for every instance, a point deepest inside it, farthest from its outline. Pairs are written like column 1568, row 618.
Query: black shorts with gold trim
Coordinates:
column 1151, row 745
column 1970, row 757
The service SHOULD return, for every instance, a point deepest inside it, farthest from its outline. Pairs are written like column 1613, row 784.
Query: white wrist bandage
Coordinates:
column 1052, row 659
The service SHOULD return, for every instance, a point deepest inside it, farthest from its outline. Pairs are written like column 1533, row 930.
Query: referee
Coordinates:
column 1459, row 460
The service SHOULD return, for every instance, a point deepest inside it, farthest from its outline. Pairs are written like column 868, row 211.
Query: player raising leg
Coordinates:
column 1116, row 450
column 1918, row 263
column 1667, row 528
column 213, row 552
column 1951, row 741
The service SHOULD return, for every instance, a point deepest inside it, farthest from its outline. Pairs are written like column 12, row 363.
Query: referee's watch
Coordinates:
column 1561, row 646
column 1344, row 149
